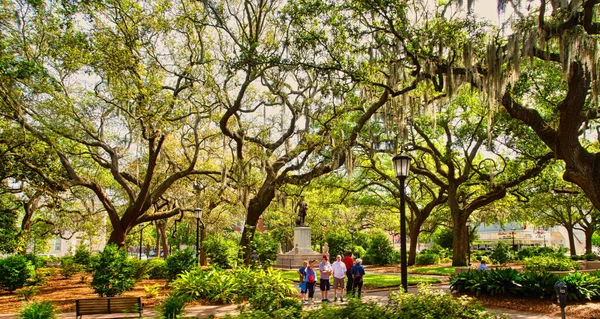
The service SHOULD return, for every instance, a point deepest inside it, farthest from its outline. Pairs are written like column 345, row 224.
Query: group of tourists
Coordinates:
column 348, row 268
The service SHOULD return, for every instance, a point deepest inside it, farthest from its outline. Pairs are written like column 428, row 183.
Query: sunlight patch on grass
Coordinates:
column 433, row 270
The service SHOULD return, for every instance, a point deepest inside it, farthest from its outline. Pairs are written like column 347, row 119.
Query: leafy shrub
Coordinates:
column 590, row 257
column 437, row 250
column 15, row 271
column 172, row 307
column 113, row 273
column 180, row 261
column 358, row 251
column 444, row 238
column 501, row 254
column 267, row 247
column 262, row 288
column 582, row 286
column 534, row 251
column 141, row 269
column 427, row 259
column 38, row 310
column 26, row 293
column 222, row 252
column 158, row 269
column 152, row 291
column 82, row 256
column 39, row 277
column 380, row 251
column 35, row 260
column 68, row 267
column 338, row 242
column 546, row 263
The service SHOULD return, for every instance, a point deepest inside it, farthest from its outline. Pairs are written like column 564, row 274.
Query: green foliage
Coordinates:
column 113, row 273
column 427, row 303
column 222, row 252
column 381, row 251
column 267, row 247
column 549, row 263
column 502, row 253
column 9, row 232
column 15, row 271
column 158, row 269
column 172, row 307
column 580, row 286
column 36, row 261
column 68, row 267
column 141, row 268
column 427, row 259
column 26, row 293
column 437, row 250
column 261, row 288
column 444, row 238
column 38, row 310
column 338, row 242
column 527, row 252
column 180, row 261
column 358, row 251
column 82, row 256
column 152, row 291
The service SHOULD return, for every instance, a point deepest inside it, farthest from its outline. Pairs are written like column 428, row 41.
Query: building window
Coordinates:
column 57, row 244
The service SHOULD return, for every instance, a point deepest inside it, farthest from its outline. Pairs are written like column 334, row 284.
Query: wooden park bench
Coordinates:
column 109, row 305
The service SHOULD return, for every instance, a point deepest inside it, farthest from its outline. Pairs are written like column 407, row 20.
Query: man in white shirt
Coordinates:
column 339, row 273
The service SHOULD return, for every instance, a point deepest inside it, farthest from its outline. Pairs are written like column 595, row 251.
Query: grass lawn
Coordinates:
column 432, row 270
column 374, row 280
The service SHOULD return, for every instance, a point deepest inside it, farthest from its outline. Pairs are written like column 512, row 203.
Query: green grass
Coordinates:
column 374, row 280
column 433, row 270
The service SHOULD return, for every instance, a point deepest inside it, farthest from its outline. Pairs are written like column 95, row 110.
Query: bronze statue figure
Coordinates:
column 302, row 209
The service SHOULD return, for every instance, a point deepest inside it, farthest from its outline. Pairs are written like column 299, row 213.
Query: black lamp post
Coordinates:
column 141, row 234
column 198, row 215
column 401, row 167
column 352, row 230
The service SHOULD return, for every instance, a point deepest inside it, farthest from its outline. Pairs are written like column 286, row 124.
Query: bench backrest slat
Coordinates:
column 108, row 305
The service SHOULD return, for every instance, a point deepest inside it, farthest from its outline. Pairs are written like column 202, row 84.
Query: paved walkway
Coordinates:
column 204, row 311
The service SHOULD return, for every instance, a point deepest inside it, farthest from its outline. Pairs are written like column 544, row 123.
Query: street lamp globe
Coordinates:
column 198, row 213
column 401, row 165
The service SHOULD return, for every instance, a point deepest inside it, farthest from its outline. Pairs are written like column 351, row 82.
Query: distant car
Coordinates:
column 144, row 257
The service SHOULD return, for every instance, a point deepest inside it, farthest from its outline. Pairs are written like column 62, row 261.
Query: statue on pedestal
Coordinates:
column 302, row 209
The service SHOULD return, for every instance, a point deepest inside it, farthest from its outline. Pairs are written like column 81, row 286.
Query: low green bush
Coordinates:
column 502, row 253
column 38, row 310
column 26, row 293
column 83, row 256
column 222, row 252
column 380, row 250
column 68, row 267
column 15, row 271
column 180, row 261
column 141, row 269
column 158, row 269
column 534, row 251
column 547, row 263
column 509, row 282
column 358, row 251
column 113, row 273
column 426, row 304
column 262, row 288
column 36, row 261
column 172, row 307
column 437, row 250
column 427, row 259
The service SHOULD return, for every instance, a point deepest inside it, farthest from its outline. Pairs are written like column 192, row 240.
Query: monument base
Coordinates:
column 302, row 250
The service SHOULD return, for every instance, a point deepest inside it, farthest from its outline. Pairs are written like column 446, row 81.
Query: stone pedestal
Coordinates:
column 302, row 250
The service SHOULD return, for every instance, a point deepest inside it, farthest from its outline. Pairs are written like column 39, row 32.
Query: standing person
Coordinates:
column 325, row 272
column 311, row 279
column 358, row 272
column 339, row 272
column 302, row 273
column 349, row 262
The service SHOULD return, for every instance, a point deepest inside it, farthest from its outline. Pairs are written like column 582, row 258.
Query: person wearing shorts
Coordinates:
column 325, row 272
column 302, row 285
column 339, row 271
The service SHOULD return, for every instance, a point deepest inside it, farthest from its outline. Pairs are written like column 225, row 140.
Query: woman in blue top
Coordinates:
column 358, row 272
column 311, row 280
